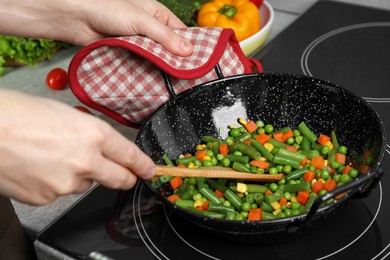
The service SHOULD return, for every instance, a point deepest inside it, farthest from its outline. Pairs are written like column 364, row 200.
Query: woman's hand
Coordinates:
column 83, row 22
column 49, row 149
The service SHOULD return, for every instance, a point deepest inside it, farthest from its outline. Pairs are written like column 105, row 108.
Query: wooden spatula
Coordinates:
column 215, row 172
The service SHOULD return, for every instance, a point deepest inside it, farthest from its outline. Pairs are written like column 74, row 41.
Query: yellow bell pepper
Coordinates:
column 240, row 15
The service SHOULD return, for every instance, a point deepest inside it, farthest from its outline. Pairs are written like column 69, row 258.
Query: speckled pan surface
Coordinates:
column 279, row 99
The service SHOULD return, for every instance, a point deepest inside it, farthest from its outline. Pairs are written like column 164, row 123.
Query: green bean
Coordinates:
column 157, row 183
column 259, row 147
column 293, row 155
column 335, row 142
column 305, row 145
column 266, row 207
column 166, row 178
column 259, row 198
column 249, row 150
column 207, row 213
column 187, row 204
column 310, row 154
column 297, row 173
column 216, row 186
column 233, row 199
column 306, row 131
column 185, row 160
column 278, row 159
column 268, row 216
column 309, row 203
column 250, row 198
column 230, row 215
column 200, row 182
column 256, row 188
column 277, row 144
column 210, row 195
column 269, row 198
column 219, row 208
column 238, row 158
column 215, row 148
column 240, row 167
column 284, row 130
column 207, row 138
column 243, row 137
column 296, row 187
column 167, row 160
column 187, row 194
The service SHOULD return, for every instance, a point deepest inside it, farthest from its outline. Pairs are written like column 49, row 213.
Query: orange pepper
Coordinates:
column 240, row 15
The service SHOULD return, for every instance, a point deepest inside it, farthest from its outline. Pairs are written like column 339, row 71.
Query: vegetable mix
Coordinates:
column 312, row 165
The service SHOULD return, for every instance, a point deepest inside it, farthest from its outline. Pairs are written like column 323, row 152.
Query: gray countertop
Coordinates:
column 32, row 80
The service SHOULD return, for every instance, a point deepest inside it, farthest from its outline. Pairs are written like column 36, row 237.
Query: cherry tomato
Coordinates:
column 57, row 79
column 258, row 3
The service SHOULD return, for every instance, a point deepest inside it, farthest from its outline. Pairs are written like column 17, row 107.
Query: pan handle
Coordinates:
column 169, row 86
column 363, row 185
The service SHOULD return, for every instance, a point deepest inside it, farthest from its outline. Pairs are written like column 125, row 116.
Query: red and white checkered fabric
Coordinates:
column 121, row 77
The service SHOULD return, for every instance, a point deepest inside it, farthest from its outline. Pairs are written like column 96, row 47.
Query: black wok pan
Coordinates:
column 281, row 100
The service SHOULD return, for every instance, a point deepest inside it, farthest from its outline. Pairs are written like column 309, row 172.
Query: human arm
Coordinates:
column 49, row 149
column 83, row 22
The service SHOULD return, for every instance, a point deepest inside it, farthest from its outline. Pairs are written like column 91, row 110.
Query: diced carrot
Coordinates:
column 304, row 161
column 260, row 164
column 318, row 162
column 255, row 214
column 248, row 141
column 365, row 168
column 224, row 149
column 278, row 136
column 287, row 135
column 206, row 205
column 303, row 196
column 317, row 186
column 340, row 158
column 322, row 139
column 268, row 191
column 181, row 165
column 200, row 155
column 251, row 126
column 346, row 169
column 175, row 182
column 263, row 138
column 200, row 208
column 330, row 185
column 219, row 193
column 173, row 197
column 187, row 155
column 308, row 176
column 282, row 201
column 291, row 148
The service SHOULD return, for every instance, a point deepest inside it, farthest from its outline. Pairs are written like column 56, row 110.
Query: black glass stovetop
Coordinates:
column 346, row 44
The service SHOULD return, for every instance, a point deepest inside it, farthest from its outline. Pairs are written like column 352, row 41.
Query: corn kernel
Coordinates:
column 313, row 181
column 200, row 147
column 293, row 199
column 288, row 204
column 198, row 203
column 269, row 146
column 242, row 121
column 242, row 187
column 206, row 158
column 326, row 163
column 263, row 159
column 233, row 126
column 240, row 195
column 275, row 205
column 191, row 165
column 276, row 212
column 329, row 144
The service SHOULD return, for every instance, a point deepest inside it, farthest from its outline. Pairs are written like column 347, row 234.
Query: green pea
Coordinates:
column 322, row 192
column 242, row 129
column 353, row 173
column 198, row 163
column 273, row 186
column 210, row 153
column 227, row 203
column 282, row 182
column 325, row 174
column 325, row 149
column 261, row 130
column 295, row 206
column 345, row 178
column 229, row 140
column 287, row 196
column 246, row 206
column 207, row 163
column 286, row 169
column 237, row 153
column 288, row 212
column 343, row 149
column 260, row 123
column 219, row 157
column 244, row 214
column 239, row 217
column 269, row 128
column 273, row 170
column 280, row 168
column 253, row 205
column 197, row 196
column 225, row 162
column 297, row 132
column 234, row 132
column 335, row 165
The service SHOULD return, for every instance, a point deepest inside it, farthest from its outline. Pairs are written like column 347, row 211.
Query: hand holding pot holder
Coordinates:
column 127, row 78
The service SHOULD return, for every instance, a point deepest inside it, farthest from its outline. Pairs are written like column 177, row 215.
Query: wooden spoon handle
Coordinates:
column 215, row 172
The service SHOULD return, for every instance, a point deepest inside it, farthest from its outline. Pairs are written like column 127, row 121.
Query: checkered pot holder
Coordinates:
column 127, row 78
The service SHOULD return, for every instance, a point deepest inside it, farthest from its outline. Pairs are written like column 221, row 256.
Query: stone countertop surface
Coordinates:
column 32, row 80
